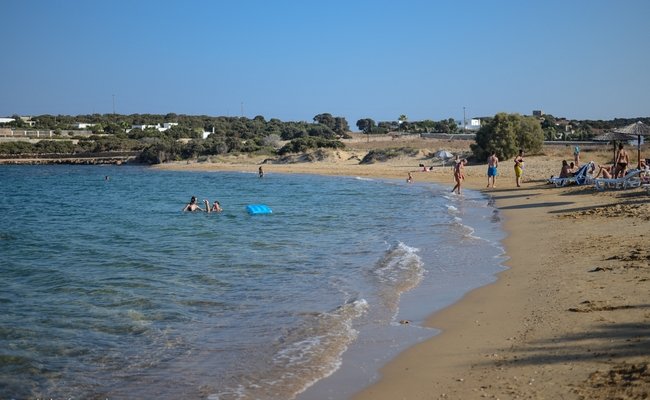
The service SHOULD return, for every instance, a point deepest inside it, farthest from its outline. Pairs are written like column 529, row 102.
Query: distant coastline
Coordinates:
column 117, row 158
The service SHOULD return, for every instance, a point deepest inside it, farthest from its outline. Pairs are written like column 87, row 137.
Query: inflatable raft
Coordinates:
column 255, row 209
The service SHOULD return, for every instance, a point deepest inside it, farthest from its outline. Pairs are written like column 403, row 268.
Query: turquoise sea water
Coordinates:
column 108, row 290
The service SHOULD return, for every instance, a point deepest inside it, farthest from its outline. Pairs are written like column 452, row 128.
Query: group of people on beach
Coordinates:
column 568, row 169
column 492, row 171
column 617, row 169
column 193, row 206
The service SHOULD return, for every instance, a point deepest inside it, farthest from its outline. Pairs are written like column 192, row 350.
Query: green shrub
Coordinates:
column 506, row 134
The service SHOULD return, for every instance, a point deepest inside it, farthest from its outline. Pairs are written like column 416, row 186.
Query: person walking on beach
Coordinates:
column 519, row 167
column 459, row 175
column 576, row 156
column 493, row 164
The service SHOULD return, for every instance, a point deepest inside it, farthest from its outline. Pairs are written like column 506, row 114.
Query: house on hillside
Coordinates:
column 205, row 134
column 159, row 127
column 83, row 125
column 27, row 120
column 474, row 124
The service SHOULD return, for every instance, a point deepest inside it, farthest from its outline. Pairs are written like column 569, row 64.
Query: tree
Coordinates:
column 325, row 119
column 322, row 131
column 452, row 126
column 402, row 121
column 530, row 136
column 366, row 125
column 341, row 126
column 506, row 134
column 307, row 143
column 272, row 140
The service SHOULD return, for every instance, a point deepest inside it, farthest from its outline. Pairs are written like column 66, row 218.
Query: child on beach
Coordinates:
column 493, row 164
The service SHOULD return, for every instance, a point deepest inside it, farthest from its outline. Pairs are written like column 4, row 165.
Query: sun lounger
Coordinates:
column 630, row 180
column 581, row 177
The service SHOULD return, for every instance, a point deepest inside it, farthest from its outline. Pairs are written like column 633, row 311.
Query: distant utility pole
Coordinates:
column 464, row 123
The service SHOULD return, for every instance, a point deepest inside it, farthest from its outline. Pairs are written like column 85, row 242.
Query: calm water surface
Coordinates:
column 108, row 290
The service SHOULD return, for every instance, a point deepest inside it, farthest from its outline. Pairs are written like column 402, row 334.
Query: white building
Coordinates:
column 208, row 133
column 6, row 120
column 474, row 124
column 159, row 127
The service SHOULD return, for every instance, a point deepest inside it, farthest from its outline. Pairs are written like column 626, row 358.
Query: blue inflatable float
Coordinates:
column 256, row 209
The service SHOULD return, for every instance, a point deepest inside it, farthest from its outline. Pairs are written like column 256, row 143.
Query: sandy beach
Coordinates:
column 569, row 319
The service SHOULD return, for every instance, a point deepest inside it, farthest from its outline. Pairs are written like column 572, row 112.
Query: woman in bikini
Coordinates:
column 193, row 205
column 622, row 160
column 519, row 167
column 459, row 175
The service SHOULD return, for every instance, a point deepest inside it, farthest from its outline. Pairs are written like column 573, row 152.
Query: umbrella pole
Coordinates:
column 638, row 151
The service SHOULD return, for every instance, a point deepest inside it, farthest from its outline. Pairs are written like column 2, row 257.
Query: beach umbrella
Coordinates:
column 637, row 129
column 613, row 137
column 444, row 154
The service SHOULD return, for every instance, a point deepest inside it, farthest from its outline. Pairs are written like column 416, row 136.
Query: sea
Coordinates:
column 108, row 290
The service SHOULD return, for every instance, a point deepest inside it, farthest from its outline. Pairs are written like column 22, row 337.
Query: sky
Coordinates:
column 292, row 60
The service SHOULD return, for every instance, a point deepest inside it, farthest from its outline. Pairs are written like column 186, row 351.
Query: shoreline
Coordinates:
column 570, row 322
column 557, row 325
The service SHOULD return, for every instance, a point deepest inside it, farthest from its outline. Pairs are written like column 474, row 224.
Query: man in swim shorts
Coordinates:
column 493, row 164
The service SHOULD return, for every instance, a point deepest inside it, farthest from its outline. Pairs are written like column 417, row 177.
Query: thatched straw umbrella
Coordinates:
column 613, row 137
column 637, row 129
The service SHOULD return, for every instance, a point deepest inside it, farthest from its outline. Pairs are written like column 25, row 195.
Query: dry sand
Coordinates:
column 569, row 319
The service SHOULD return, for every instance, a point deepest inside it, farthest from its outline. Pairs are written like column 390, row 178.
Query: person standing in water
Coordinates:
column 519, row 167
column 216, row 206
column 193, row 205
column 459, row 175
column 493, row 164
column 260, row 171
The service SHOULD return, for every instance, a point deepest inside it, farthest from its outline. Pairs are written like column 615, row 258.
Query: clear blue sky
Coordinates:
column 291, row 60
